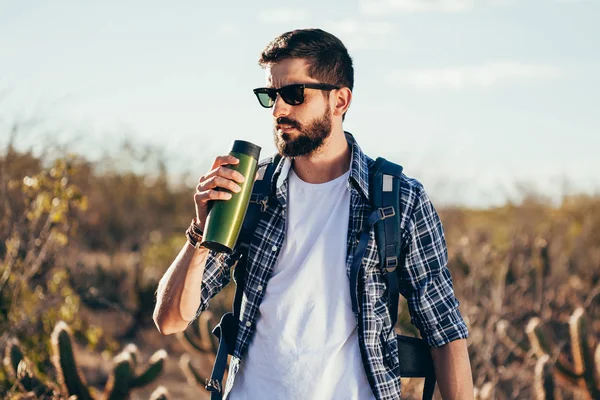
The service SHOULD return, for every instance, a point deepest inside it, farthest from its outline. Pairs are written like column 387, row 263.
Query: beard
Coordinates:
column 308, row 139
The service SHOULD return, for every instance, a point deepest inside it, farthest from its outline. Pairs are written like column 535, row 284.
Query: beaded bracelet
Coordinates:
column 194, row 234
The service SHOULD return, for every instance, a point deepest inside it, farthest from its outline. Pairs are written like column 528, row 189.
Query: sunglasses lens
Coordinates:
column 293, row 94
column 265, row 99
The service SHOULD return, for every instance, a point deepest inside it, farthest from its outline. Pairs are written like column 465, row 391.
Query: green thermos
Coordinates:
column 225, row 217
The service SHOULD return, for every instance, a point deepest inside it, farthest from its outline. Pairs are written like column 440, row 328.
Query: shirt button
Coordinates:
column 248, row 324
column 274, row 248
column 259, row 288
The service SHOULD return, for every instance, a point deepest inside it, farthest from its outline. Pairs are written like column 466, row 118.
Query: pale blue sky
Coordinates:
column 471, row 96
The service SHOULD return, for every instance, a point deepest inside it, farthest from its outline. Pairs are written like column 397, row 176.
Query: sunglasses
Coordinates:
column 291, row 94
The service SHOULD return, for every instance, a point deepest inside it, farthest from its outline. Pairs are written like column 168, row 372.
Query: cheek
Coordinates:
column 313, row 109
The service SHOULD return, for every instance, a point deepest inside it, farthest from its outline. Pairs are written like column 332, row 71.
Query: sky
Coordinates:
column 481, row 100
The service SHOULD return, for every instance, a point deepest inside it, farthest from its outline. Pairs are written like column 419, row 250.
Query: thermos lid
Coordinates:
column 243, row 147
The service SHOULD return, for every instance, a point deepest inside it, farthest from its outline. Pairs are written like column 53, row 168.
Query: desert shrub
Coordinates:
column 37, row 222
column 518, row 262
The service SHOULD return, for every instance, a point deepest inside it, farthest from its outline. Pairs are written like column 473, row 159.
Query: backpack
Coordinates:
column 415, row 359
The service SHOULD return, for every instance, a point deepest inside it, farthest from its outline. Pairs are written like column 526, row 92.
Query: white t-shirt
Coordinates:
column 306, row 341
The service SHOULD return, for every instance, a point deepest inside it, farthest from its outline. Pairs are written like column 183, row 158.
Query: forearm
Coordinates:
column 453, row 370
column 179, row 290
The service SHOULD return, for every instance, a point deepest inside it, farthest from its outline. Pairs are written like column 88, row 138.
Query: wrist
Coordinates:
column 194, row 234
column 198, row 224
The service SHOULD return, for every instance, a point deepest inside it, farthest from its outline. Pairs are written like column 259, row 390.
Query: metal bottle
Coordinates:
column 225, row 217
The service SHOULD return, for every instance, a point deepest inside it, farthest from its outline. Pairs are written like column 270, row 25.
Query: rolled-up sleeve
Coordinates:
column 425, row 280
column 216, row 276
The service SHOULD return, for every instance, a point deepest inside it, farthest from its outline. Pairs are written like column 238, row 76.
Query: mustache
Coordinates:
column 288, row 121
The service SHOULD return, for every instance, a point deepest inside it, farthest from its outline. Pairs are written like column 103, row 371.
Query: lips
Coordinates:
column 284, row 128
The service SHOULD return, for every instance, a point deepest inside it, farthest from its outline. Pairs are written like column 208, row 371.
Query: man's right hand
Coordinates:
column 219, row 176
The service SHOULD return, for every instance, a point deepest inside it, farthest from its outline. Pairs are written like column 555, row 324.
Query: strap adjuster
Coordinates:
column 386, row 212
column 391, row 263
column 212, row 385
column 264, row 203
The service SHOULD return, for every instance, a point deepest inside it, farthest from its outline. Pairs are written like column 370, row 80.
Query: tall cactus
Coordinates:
column 584, row 370
column 583, row 353
column 70, row 378
column 544, row 379
column 123, row 378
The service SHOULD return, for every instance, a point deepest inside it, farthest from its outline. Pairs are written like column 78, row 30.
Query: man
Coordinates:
column 298, row 337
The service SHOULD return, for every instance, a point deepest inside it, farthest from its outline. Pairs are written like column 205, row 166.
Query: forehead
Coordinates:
column 287, row 72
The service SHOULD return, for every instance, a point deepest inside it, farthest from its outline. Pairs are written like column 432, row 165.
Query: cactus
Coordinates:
column 160, row 393
column 582, row 352
column 155, row 366
column 117, row 386
column 200, row 337
column 64, row 361
column 544, row 379
column 123, row 378
column 541, row 345
column 192, row 375
column 584, row 370
column 517, row 348
column 485, row 392
column 20, row 368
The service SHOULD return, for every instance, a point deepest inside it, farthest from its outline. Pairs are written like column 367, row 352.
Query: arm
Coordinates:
column 196, row 275
column 426, row 283
column 178, row 294
column 453, row 370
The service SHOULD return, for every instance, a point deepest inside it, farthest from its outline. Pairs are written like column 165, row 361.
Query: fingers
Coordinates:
column 205, row 196
column 225, row 160
column 224, row 172
column 218, row 182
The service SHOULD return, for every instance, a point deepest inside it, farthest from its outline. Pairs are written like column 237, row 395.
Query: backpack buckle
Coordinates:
column 212, row 385
column 386, row 212
column 263, row 204
column 391, row 263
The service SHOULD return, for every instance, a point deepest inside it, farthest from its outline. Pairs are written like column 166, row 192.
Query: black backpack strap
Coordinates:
column 385, row 196
column 385, row 192
column 227, row 328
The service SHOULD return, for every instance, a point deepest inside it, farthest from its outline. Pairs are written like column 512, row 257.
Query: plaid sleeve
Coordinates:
column 425, row 280
column 216, row 276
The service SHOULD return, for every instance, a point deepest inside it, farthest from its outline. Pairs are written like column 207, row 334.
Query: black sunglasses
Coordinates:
column 291, row 94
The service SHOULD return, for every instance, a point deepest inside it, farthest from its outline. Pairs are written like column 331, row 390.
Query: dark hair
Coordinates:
column 327, row 57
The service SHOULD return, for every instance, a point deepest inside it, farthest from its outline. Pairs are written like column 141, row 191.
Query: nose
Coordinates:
column 280, row 108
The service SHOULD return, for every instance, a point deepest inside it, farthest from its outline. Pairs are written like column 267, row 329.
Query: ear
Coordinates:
column 342, row 98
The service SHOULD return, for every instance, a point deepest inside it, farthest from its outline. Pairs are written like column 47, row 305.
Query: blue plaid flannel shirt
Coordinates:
column 424, row 280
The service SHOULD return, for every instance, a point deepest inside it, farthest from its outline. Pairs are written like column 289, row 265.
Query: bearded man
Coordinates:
column 298, row 336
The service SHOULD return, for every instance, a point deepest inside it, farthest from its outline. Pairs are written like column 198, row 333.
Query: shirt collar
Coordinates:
column 359, row 169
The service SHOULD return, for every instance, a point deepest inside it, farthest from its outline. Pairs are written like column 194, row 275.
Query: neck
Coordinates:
column 330, row 161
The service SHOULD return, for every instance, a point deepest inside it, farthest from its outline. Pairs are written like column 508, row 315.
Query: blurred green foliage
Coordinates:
column 37, row 220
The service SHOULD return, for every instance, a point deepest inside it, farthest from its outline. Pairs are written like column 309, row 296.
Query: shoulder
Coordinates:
column 411, row 189
column 415, row 204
